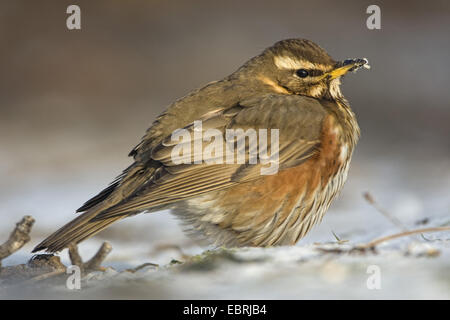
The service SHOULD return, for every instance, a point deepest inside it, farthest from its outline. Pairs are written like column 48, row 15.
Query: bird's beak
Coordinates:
column 345, row 66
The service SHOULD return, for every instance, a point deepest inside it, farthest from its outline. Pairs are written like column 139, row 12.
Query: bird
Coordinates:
column 292, row 86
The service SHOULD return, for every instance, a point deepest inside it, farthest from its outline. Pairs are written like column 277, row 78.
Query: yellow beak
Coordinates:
column 346, row 66
column 338, row 72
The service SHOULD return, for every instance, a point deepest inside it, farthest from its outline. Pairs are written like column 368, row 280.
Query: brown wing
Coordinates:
column 155, row 180
column 297, row 118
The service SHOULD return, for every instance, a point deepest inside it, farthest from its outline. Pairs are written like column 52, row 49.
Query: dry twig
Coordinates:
column 74, row 256
column 169, row 246
column 94, row 264
column 142, row 266
column 370, row 199
column 97, row 259
column 18, row 237
column 47, row 275
column 372, row 244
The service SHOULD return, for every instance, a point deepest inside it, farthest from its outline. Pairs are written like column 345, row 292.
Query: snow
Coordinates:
column 319, row 266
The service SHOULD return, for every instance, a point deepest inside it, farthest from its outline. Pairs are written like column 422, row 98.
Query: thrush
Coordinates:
column 292, row 86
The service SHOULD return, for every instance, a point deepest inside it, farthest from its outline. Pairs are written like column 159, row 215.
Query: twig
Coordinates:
column 47, row 275
column 169, row 246
column 336, row 236
column 74, row 256
column 97, row 259
column 385, row 213
column 142, row 266
column 339, row 240
column 92, row 264
column 372, row 244
column 18, row 237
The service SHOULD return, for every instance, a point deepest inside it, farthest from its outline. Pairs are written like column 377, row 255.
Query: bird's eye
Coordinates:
column 302, row 73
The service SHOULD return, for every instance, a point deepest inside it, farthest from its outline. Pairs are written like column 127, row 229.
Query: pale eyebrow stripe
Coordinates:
column 285, row 62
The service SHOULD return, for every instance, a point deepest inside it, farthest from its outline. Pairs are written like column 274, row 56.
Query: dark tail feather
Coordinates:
column 75, row 231
column 100, row 197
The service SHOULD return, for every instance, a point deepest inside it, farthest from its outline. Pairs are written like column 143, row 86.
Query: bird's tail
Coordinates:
column 76, row 231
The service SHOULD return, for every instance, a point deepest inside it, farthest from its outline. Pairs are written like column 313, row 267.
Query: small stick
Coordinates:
column 372, row 244
column 74, row 255
column 169, row 246
column 139, row 267
column 75, row 259
column 18, row 237
column 97, row 259
column 47, row 275
column 94, row 262
column 385, row 213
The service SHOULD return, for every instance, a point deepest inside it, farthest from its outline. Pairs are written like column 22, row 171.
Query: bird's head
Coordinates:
column 298, row 66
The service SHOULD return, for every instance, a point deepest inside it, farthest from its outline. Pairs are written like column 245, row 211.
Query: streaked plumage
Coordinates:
column 233, row 204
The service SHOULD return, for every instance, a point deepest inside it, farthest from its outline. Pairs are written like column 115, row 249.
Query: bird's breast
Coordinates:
column 280, row 208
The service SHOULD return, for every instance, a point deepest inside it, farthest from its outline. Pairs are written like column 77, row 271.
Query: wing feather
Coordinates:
column 295, row 117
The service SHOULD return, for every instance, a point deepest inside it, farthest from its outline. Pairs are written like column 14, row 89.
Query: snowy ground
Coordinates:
column 411, row 270
column 411, row 267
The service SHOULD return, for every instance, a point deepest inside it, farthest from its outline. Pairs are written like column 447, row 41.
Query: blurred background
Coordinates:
column 73, row 103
